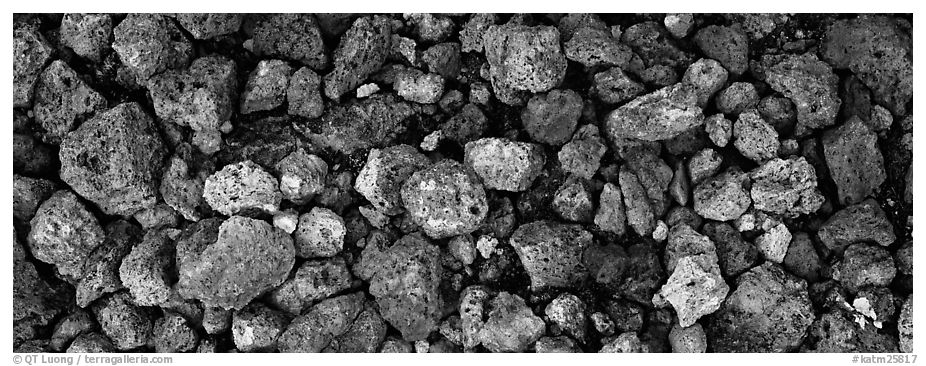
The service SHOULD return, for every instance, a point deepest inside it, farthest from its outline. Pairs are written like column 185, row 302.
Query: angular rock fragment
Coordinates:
column 786, row 187
column 862, row 222
column 611, row 216
column 149, row 44
column 627, row 342
column 443, row 59
column 63, row 100
column 802, row 258
column 769, row 311
column 905, row 326
column 30, row 53
column 202, row 97
column 64, row 233
column 172, row 334
column 810, row 84
column 28, row 194
column 256, row 328
column 242, row 188
column 511, row 325
column 722, row 197
column 773, row 244
column 361, row 51
column 314, row 281
column 729, row 45
column 375, row 122
column 70, row 327
column 365, row 335
column 854, row 160
column 146, row 270
column 446, row 199
column 551, row 253
column 688, row 339
column 734, row 255
column 35, row 302
column 879, row 50
column 126, row 324
column 582, row 156
column 694, row 289
column 703, row 164
column 568, row 312
column 101, row 269
column 523, row 59
column 304, row 94
column 302, row 176
column 209, row 25
column 755, row 138
column 313, row 331
column 320, row 233
column 654, row 45
column 708, row 76
column 91, row 343
column 88, row 35
column 737, row 98
column 416, row 86
column 266, row 86
column 684, row 242
column 381, row 178
column 594, row 46
column 404, row 279
column 660, row 115
column 115, row 160
column 293, row 37
column 614, row 86
column 864, row 265
column 640, row 214
column 551, row 118
column 573, row 201
column 504, row 164
column 229, row 263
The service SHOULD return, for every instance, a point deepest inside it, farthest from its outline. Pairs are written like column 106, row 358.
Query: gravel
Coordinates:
column 446, row 183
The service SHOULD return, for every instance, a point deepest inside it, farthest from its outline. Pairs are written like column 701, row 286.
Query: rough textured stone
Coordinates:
column 293, row 37
column 320, row 233
column 582, row 156
column 314, row 281
column 810, row 84
column 722, row 197
column 182, row 188
column 115, row 159
column 552, row 117
column 879, row 50
column 694, row 289
column 703, row 164
column 242, row 188
column 504, row 164
column 361, row 51
column 595, row 47
column 255, row 328
column 685, row 241
column 627, row 342
column 266, row 86
column 30, row 53
column 373, row 122
column 551, row 253
column 523, row 59
column 88, row 35
column 729, row 45
column 209, row 25
column 101, row 270
column 734, row 255
column 63, row 100
column 146, row 270
column 802, row 259
column 864, row 265
column 445, row 199
column 773, row 244
column 467, row 125
column 416, row 86
column 769, row 311
column 708, row 77
column 405, row 280
column 614, row 86
column 172, row 334
column 381, row 178
column 654, row 45
column 91, row 343
column 688, row 339
column 149, row 44
column 511, row 325
column 755, row 138
column 316, row 329
column 567, row 311
column 28, row 194
column 302, row 176
column 862, row 222
column 127, row 325
column 64, row 233
column 905, row 326
column 659, row 115
column 229, row 263
column 854, row 161
column 611, row 216
column 719, row 129
column 786, row 187
column 737, row 98
column 35, row 303
column 304, row 94
column 640, row 214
